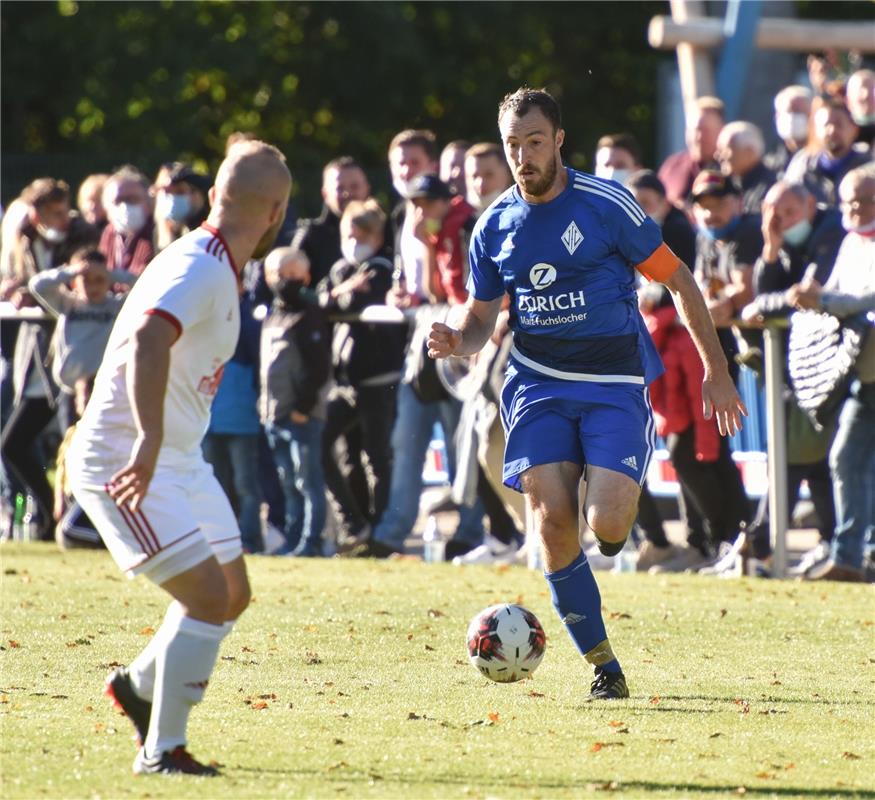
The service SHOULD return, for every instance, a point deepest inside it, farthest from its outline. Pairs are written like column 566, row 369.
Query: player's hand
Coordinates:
column 130, row 484
column 720, row 398
column 443, row 340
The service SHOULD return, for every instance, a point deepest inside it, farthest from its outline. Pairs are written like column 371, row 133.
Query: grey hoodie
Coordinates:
column 83, row 328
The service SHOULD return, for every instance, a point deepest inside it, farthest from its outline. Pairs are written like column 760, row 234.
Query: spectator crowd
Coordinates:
column 325, row 414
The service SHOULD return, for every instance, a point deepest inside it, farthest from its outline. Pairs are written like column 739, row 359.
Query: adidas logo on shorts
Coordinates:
column 630, row 462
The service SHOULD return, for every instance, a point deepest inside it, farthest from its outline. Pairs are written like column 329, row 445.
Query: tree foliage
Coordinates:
column 149, row 82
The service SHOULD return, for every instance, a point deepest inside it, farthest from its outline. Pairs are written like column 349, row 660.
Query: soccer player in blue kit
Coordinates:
column 565, row 247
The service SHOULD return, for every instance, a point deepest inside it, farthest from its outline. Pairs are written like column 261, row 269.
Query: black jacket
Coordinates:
column 362, row 351
column 295, row 362
column 772, row 279
column 319, row 238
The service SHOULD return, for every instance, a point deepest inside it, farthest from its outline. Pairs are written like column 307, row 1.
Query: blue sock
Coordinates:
column 577, row 600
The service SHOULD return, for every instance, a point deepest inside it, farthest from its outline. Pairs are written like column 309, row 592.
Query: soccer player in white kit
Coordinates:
column 136, row 462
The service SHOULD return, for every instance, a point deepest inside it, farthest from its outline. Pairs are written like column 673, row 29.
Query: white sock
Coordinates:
column 182, row 669
column 142, row 668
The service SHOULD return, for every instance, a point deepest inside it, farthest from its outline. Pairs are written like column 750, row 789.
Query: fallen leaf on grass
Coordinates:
column 13, row 644
column 723, row 613
column 715, row 735
column 599, row 745
column 338, row 741
column 765, row 775
column 533, row 693
column 619, row 615
column 615, row 723
column 435, row 613
column 413, row 715
column 848, row 756
column 493, row 716
column 259, row 706
column 147, row 631
column 667, row 741
column 654, row 700
column 312, row 658
column 429, row 647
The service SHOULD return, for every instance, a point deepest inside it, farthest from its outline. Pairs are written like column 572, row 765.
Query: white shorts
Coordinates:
column 183, row 520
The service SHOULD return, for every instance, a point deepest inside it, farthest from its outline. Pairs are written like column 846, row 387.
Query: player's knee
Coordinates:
column 610, row 527
column 210, row 604
column 239, row 600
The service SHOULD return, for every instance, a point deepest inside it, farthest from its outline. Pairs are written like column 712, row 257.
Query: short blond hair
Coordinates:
column 365, row 214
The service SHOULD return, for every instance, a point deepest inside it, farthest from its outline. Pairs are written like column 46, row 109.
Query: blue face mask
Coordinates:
column 175, row 207
column 798, row 233
column 721, row 231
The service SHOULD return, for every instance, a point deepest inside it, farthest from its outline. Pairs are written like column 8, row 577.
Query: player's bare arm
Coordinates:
column 146, row 377
column 719, row 394
column 475, row 322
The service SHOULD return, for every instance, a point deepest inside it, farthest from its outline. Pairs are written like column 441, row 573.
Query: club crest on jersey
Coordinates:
column 209, row 384
column 542, row 276
column 572, row 238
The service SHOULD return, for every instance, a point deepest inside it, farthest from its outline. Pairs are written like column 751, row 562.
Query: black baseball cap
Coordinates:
column 183, row 173
column 428, row 187
column 646, row 179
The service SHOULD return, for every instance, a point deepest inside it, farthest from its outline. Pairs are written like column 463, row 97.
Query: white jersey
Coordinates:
column 193, row 284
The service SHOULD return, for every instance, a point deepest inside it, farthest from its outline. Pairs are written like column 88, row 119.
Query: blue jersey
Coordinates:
column 569, row 268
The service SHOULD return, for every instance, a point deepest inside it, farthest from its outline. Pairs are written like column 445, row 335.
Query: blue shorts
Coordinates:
column 546, row 420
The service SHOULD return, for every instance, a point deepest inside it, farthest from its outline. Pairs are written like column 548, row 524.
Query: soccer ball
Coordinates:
column 506, row 642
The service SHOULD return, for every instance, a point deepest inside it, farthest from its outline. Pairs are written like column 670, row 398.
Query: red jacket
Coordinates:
column 676, row 396
column 451, row 250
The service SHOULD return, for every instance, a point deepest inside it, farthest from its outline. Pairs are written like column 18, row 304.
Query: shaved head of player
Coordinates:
column 567, row 247
column 136, row 459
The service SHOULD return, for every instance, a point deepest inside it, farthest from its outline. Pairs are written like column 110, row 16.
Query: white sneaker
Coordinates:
column 597, row 560
column 688, row 558
column 728, row 563
column 273, row 538
column 810, row 559
column 490, row 552
column 650, row 555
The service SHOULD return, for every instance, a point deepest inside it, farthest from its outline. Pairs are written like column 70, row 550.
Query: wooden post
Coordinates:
column 696, row 33
column 694, row 63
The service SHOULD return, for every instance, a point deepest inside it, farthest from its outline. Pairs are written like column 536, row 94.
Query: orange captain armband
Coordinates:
column 660, row 265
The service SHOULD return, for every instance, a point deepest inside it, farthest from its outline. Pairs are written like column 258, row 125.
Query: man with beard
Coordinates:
column 565, row 246
column 136, row 465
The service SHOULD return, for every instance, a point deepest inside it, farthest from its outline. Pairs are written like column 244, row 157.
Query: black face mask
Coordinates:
column 289, row 293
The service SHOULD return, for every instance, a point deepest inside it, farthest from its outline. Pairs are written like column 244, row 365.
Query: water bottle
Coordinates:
column 18, row 518
column 627, row 559
column 29, row 524
column 434, row 547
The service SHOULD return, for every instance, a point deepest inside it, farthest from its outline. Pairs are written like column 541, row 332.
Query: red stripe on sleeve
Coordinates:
column 166, row 315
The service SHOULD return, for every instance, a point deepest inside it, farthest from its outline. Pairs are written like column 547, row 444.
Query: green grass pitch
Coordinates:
column 350, row 679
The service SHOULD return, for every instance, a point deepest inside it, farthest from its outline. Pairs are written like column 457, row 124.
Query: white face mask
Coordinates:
column 864, row 230
column 401, row 186
column 792, row 126
column 482, row 203
column 864, row 119
column 356, row 252
column 175, row 207
column 127, row 217
column 613, row 173
column 52, row 235
column 798, row 233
